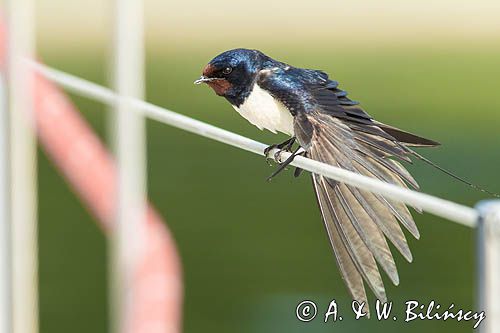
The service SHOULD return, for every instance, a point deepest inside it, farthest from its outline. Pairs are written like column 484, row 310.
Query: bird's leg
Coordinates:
column 286, row 145
column 283, row 165
column 297, row 172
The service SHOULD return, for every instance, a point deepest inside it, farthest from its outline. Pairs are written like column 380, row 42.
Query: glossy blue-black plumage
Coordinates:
column 333, row 129
column 300, row 90
column 245, row 65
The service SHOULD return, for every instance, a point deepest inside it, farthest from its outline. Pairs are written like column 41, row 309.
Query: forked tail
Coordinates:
column 451, row 174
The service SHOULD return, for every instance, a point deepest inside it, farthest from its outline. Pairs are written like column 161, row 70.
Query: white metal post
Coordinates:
column 22, row 169
column 5, row 268
column 129, row 144
column 488, row 264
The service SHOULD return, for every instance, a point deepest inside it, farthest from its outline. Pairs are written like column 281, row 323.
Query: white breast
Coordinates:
column 262, row 110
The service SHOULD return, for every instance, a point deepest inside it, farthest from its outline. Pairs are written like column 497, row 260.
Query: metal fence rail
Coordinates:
column 437, row 206
column 22, row 172
column 127, row 130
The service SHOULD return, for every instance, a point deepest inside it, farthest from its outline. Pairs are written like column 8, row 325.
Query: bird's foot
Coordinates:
column 284, row 164
column 284, row 146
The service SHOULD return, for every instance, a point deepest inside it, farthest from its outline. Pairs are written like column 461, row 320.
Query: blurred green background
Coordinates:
column 252, row 250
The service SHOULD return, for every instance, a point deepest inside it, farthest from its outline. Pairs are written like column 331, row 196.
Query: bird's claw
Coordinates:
column 283, row 164
column 283, row 147
column 276, row 156
column 267, row 151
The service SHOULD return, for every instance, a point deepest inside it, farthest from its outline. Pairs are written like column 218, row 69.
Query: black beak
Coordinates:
column 204, row 79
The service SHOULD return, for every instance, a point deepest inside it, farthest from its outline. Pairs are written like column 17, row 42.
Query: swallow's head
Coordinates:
column 232, row 74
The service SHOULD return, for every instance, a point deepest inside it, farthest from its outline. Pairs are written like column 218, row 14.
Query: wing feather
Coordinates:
column 368, row 230
column 348, row 270
column 361, row 220
column 358, row 222
column 360, row 254
column 336, row 130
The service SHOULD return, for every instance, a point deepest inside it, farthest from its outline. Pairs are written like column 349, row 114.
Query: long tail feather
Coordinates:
column 451, row 174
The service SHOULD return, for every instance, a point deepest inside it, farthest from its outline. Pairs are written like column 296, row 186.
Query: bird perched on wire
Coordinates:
column 331, row 128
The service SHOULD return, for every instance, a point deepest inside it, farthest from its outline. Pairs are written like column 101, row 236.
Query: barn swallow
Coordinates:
column 331, row 128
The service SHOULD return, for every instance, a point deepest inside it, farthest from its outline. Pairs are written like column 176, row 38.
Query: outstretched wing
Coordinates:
column 358, row 222
column 335, row 130
column 303, row 90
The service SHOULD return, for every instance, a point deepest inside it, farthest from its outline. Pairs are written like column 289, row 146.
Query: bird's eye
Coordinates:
column 227, row 70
